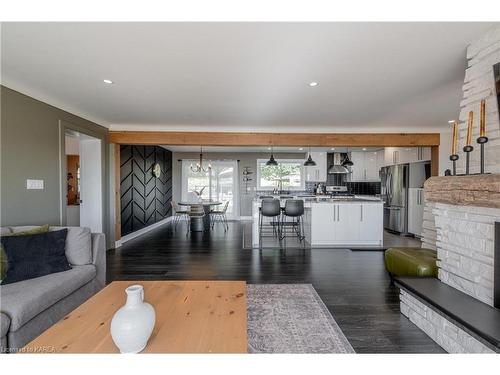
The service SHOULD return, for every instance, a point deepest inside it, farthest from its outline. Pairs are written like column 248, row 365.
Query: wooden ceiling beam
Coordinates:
column 273, row 139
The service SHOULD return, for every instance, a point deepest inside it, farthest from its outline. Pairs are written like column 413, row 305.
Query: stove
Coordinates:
column 338, row 192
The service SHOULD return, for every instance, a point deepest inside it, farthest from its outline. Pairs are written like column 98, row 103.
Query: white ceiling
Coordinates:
column 244, row 76
column 265, row 149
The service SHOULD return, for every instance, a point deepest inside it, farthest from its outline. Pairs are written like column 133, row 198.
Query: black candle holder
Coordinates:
column 454, row 159
column 482, row 141
column 467, row 149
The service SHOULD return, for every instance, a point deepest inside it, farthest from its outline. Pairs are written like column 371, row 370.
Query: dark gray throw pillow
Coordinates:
column 34, row 256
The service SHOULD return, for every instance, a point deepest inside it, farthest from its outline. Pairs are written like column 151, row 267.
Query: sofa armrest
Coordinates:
column 99, row 257
column 4, row 330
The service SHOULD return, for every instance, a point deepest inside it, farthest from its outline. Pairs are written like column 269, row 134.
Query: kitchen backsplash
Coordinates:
column 363, row 188
column 359, row 188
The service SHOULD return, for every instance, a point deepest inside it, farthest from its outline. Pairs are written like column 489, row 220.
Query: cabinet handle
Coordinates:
column 361, row 212
column 338, row 213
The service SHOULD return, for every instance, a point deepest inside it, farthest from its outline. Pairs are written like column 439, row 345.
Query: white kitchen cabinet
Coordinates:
column 323, row 220
column 388, row 156
column 317, row 173
column 403, row 155
column 371, row 228
column 416, row 203
column 366, row 166
column 372, row 167
column 347, row 224
column 358, row 168
column 423, row 154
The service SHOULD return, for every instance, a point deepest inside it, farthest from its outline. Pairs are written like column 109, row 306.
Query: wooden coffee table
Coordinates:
column 191, row 317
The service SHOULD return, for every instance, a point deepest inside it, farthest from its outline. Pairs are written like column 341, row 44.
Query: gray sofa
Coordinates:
column 29, row 307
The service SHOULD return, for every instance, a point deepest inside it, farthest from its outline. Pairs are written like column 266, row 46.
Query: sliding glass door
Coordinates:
column 220, row 184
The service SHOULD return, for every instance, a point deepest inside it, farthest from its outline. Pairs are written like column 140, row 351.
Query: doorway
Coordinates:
column 83, row 181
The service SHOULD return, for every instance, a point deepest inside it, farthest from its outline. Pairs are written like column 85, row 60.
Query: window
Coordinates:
column 288, row 173
column 218, row 184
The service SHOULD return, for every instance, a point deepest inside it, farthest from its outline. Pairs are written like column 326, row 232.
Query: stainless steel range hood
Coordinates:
column 336, row 167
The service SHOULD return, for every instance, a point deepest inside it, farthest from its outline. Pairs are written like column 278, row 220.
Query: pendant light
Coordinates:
column 199, row 166
column 347, row 162
column 309, row 162
column 271, row 160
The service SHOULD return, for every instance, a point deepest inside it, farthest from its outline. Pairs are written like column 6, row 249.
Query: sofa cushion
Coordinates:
column 29, row 230
column 34, row 256
column 78, row 244
column 3, row 256
column 24, row 300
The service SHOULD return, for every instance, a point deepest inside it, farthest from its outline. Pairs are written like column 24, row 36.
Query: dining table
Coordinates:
column 207, row 207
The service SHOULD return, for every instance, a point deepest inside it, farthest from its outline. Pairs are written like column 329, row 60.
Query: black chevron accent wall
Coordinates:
column 145, row 199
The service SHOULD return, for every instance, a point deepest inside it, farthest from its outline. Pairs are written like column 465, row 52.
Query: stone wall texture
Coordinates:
column 449, row 336
column 479, row 83
column 465, row 246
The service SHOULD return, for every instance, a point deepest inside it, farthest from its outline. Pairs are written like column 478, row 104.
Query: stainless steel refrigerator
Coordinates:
column 395, row 192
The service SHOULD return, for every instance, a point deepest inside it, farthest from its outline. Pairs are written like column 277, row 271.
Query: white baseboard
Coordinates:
column 140, row 232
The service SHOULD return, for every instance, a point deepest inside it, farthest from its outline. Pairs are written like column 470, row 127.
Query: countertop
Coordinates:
column 322, row 199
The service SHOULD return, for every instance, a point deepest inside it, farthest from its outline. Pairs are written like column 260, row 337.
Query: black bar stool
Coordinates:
column 294, row 209
column 270, row 208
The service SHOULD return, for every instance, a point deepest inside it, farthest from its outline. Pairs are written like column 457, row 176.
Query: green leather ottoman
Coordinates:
column 410, row 261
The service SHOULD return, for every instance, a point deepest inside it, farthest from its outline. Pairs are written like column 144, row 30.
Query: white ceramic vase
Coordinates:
column 133, row 323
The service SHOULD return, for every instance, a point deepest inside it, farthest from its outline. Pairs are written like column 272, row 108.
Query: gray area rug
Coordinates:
column 291, row 318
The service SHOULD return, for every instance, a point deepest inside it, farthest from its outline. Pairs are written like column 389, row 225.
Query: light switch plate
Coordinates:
column 34, row 184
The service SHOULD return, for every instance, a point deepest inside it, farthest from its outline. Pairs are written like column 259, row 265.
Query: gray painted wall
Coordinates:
column 247, row 159
column 30, row 148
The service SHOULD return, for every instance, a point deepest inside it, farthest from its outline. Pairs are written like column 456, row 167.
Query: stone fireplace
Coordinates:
column 463, row 218
column 462, row 212
column 465, row 210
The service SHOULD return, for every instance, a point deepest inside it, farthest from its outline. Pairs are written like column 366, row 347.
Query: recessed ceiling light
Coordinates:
column 313, row 84
column 300, row 149
column 364, row 148
column 451, row 121
column 269, row 148
column 333, row 149
column 107, row 81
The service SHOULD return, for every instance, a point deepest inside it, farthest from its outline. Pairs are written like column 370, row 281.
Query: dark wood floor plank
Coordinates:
column 353, row 284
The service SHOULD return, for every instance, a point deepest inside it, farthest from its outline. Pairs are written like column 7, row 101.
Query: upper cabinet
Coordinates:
column 403, row 155
column 366, row 166
column 318, row 172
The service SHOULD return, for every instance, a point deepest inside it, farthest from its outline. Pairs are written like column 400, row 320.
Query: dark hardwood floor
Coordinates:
column 352, row 284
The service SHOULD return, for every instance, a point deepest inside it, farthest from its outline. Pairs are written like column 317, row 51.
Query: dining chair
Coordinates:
column 220, row 216
column 196, row 214
column 178, row 213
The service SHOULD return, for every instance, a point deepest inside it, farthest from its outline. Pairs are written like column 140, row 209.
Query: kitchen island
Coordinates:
column 335, row 222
